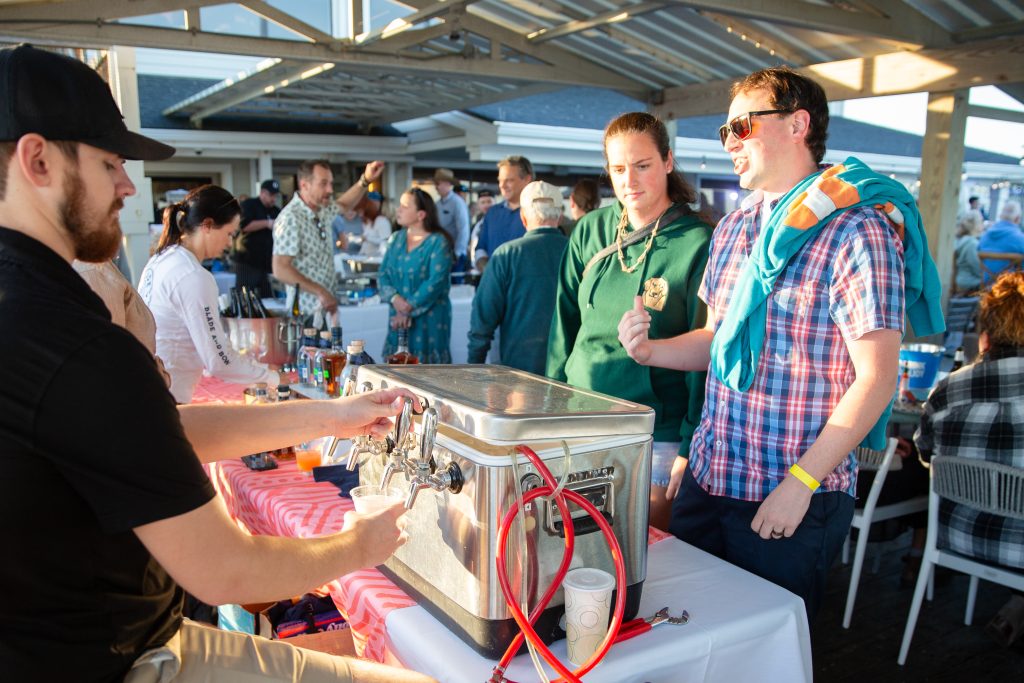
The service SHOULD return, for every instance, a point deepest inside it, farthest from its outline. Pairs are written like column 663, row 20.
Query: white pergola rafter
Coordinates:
column 944, row 69
column 598, row 20
column 825, row 18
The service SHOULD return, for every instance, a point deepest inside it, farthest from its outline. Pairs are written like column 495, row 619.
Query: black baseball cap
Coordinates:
column 61, row 98
column 271, row 186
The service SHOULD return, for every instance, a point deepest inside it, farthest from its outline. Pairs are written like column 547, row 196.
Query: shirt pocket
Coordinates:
column 796, row 302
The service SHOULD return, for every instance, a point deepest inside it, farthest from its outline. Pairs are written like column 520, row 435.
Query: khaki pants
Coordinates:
column 200, row 654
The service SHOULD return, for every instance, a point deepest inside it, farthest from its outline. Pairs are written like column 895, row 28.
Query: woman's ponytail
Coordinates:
column 174, row 220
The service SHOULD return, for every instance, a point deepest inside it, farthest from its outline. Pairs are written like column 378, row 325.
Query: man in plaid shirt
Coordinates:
column 827, row 367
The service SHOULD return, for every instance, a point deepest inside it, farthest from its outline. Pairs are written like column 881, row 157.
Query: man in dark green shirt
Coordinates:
column 517, row 291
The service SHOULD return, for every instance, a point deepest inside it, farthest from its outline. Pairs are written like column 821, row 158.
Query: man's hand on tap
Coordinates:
column 371, row 413
column 377, row 535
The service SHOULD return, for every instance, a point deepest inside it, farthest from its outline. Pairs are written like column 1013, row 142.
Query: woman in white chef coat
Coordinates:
column 182, row 295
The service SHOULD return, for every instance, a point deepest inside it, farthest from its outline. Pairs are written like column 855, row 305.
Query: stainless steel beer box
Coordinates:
column 462, row 485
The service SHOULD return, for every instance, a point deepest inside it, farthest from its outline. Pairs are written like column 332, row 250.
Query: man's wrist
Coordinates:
column 363, row 182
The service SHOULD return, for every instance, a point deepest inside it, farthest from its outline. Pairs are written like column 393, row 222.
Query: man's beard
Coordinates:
column 95, row 238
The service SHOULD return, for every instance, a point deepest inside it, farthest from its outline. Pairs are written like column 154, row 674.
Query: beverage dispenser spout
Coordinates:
column 363, row 444
column 422, row 470
column 398, row 448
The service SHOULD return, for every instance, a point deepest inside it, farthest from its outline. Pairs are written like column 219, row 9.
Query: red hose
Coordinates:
column 526, row 624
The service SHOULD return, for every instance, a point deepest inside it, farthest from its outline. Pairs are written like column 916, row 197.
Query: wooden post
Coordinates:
column 942, row 158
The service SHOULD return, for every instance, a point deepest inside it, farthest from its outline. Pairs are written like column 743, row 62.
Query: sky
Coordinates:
column 909, row 112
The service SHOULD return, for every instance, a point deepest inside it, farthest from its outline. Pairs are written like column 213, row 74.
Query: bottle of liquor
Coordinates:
column 243, row 296
column 334, row 362
column 236, row 303
column 296, row 311
column 402, row 355
column 256, row 306
column 958, row 359
column 318, row 359
column 903, row 394
column 306, row 354
column 356, row 357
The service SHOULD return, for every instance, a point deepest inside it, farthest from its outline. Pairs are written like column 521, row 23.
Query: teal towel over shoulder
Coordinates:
column 739, row 340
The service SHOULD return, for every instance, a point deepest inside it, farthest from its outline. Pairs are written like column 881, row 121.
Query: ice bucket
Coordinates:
column 922, row 364
column 267, row 339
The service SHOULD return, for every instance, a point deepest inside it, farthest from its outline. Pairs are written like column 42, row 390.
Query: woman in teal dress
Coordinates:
column 415, row 279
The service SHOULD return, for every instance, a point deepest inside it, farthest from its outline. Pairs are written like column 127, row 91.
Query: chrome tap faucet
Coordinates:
column 361, row 444
column 397, row 448
column 422, row 470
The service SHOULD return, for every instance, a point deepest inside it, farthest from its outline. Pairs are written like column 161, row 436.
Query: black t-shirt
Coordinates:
column 91, row 446
column 256, row 248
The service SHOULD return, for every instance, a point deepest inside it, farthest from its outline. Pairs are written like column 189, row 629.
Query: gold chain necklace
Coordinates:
column 620, row 235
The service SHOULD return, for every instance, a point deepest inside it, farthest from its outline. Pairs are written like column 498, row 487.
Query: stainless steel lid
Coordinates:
column 499, row 404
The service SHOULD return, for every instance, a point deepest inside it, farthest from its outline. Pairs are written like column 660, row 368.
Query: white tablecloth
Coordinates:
column 742, row 628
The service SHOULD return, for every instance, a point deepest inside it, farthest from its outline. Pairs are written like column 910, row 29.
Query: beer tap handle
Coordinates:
column 403, row 423
column 428, row 433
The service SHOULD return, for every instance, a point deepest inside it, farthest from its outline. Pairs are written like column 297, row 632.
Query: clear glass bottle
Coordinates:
column 903, row 394
column 318, row 359
column 402, row 355
column 334, row 362
column 356, row 356
column 306, row 354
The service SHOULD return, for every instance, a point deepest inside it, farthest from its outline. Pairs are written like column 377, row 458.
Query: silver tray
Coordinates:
column 498, row 404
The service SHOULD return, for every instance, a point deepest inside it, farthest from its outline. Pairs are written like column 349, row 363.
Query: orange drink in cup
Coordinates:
column 307, row 459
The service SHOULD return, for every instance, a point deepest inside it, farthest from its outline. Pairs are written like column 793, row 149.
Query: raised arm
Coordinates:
column 689, row 351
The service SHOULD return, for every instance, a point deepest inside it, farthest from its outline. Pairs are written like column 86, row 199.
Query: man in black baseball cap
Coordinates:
column 104, row 504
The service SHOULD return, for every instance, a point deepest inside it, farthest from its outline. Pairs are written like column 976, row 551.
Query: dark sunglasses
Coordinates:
column 320, row 228
column 742, row 126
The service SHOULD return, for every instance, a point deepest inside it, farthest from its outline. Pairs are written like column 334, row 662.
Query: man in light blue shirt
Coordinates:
column 453, row 215
column 1004, row 237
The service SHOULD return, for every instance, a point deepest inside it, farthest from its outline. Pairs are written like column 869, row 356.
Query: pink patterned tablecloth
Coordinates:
column 287, row 502
column 213, row 390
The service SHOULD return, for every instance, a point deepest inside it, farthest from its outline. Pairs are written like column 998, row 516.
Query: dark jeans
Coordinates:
column 800, row 563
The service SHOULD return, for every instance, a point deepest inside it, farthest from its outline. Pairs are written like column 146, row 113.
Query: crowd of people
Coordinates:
column 768, row 346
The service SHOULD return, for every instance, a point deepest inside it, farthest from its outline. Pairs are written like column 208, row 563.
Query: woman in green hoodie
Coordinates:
column 649, row 244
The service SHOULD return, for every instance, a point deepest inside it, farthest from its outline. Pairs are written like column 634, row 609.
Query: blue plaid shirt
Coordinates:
column 845, row 282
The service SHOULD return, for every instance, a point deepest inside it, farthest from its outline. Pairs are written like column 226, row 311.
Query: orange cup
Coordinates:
column 307, row 459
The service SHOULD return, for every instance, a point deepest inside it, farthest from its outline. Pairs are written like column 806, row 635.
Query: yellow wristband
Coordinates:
column 801, row 474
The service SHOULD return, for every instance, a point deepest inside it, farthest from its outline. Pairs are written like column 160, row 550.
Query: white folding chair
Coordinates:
column 986, row 486
column 881, row 462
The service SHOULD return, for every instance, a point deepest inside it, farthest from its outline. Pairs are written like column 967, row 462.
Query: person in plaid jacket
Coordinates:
column 978, row 412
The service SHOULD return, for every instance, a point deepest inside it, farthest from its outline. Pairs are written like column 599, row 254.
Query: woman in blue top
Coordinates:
column 415, row 279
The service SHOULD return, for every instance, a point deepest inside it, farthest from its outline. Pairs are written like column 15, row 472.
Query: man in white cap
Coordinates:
column 517, row 291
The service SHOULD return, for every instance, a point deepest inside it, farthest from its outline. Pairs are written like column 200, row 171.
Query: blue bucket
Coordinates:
column 921, row 361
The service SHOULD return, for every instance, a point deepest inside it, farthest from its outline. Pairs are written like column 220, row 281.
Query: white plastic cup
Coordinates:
column 588, row 598
column 369, row 498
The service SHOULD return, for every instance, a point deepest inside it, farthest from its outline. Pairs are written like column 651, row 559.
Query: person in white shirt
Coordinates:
column 182, row 295
column 376, row 226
